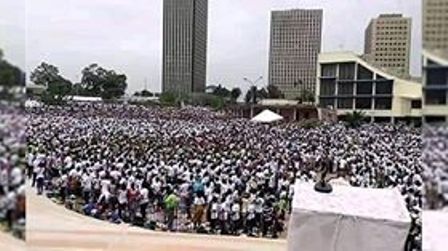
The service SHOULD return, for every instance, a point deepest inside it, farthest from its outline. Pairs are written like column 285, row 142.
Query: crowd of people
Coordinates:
column 12, row 167
column 194, row 170
column 435, row 160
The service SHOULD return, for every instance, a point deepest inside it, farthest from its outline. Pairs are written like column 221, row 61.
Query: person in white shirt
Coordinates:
column 236, row 217
column 40, row 177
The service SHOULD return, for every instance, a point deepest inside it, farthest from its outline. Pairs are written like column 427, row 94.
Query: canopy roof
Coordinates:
column 267, row 116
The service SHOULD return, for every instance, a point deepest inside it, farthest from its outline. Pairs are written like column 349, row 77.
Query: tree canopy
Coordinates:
column 260, row 93
column 235, row 93
column 97, row 81
column 57, row 87
column 273, row 92
column 10, row 78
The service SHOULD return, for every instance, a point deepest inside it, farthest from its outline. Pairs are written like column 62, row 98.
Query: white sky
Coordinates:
column 126, row 35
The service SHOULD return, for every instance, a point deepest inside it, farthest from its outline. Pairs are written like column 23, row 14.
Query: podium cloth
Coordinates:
column 435, row 229
column 348, row 219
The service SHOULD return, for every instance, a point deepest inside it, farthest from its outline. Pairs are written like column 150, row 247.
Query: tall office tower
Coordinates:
column 295, row 44
column 435, row 24
column 388, row 43
column 184, row 46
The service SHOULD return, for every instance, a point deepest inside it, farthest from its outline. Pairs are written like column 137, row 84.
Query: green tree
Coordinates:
column 235, row 93
column 44, row 74
column 308, row 96
column 274, row 93
column 168, row 98
column 354, row 119
column 221, row 91
column 11, row 78
column 253, row 98
column 97, row 81
column 57, row 87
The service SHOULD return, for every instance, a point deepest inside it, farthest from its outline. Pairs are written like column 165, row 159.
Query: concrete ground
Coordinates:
column 51, row 227
column 9, row 243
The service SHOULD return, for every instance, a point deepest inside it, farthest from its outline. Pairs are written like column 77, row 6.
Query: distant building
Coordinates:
column 348, row 83
column 295, row 43
column 388, row 43
column 435, row 24
column 184, row 46
column 435, row 87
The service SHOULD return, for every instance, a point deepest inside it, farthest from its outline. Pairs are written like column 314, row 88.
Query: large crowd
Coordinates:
column 194, row 170
column 435, row 161
column 12, row 167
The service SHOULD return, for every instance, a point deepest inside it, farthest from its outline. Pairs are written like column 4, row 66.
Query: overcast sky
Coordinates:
column 126, row 35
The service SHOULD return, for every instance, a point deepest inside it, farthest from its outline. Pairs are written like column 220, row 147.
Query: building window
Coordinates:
column 416, row 104
column 384, row 87
column 435, row 97
column 345, row 88
column 383, row 103
column 364, row 73
column 327, row 102
column 328, row 70
column 345, row 103
column 347, row 71
column 435, row 119
column 327, row 87
column 364, row 88
column 436, row 77
column 364, row 103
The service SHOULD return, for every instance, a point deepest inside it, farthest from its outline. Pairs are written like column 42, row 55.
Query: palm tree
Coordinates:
column 354, row 119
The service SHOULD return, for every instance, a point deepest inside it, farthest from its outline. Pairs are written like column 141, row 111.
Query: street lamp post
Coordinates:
column 253, row 86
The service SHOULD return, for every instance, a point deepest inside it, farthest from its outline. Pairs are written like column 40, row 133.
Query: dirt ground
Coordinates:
column 53, row 228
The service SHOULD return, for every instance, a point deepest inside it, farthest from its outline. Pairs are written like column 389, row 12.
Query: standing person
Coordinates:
column 268, row 218
column 122, row 201
column 171, row 203
column 40, row 177
column 199, row 206
column 259, row 202
column 214, row 214
column 250, row 219
column 236, row 211
column 144, row 202
column 133, row 195
column 36, row 165
column 223, row 216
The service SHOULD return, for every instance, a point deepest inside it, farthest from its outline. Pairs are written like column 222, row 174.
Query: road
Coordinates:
column 51, row 227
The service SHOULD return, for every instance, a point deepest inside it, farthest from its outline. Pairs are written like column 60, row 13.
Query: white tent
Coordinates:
column 267, row 116
column 348, row 219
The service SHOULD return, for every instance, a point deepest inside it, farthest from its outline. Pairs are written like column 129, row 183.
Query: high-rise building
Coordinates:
column 184, row 45
column 435, row 24
column 295, row 44
column 388, row 43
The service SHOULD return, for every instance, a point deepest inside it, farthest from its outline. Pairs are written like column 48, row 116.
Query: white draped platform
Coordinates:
column 348, row 219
